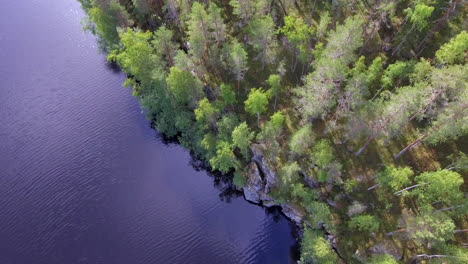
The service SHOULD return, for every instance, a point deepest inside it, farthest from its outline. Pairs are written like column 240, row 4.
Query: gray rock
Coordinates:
column 265, row 166
column 293, row 214
column 254, row 186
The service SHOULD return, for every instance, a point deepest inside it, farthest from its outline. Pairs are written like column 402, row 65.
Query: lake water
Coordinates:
column 83, row 177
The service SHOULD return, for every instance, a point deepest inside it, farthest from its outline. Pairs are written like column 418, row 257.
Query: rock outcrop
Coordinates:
column 260, row 179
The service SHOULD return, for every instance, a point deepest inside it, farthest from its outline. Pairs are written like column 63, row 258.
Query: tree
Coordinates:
column 320, row 216
column 430, row 227
column 382, row 259
column 364, row 223
column 419, row 17
column 454, row 51
column 237, row 61
column 315, row 249
column 395, row 178
column 289, row 172
column 205, row 112
column 256, row 102
column 225, row 160
column 274, row 81
column 262, row 38
column 299, row 34
column 104, row 20
column 242, row 137
column 228, row 95
column 184, row 86
column 163, row 45
column 246, row 9
column 301, row 140
column 319, row 93
column 136, row 56
column 442, row 185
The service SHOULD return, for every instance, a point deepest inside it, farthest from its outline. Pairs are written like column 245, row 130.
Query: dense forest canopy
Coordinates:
column 360, row 107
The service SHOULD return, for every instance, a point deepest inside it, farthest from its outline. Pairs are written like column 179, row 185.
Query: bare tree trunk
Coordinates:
column 373, row 187
column 394, row 232
column 369, row 140
column 449, row 208
column 410, row 146
column 409, row 188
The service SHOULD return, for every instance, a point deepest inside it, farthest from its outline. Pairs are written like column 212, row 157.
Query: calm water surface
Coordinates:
column 83, row 177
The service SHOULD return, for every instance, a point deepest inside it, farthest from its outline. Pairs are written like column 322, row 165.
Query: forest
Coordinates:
column 360, row 108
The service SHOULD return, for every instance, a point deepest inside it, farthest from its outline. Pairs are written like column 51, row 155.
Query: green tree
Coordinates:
column 184, row 86
column 205, row 112
column 225, row 160
column 319, row 93
column 237, row 61
column 454, row 51
column 136, row 57
column 228, row 95
column 104, row 20
column 274, row 81
column 430, row 227
column 364, row 223
column 382, row 259
column 315, row 249
column 242, row 137
column 301, row 140
column 439, row 186
column 395, row 178
column 164, row 46
column 256, row 102
column 299, row 34
column 262, row 38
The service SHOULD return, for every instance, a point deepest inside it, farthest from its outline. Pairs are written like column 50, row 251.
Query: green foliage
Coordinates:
column 315, row 249
column 364, row 223
column 442, row 185
column 225, row 160
column 228, row 94
column 299, row 34
column 239, row 179
column 184, row 86
column 256, row 102
column 320, row 215
column 322, row 153
column 136, row 56
column 289, row 172
column 382, row 259
column 242, row 137
column 419, row 17
column 396, row 73
column 273, row 128
column 104, row 20
column 163, row 45
column 430, row 227
column 262, row 38
column 226, row 125
column 301, row 140
column 237, row 60
column 205, row 111
column 319, row 93
column 454, row 51
column 395, row 178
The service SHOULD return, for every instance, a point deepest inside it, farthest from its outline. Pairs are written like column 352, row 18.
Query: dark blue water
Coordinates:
column 83, row 177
